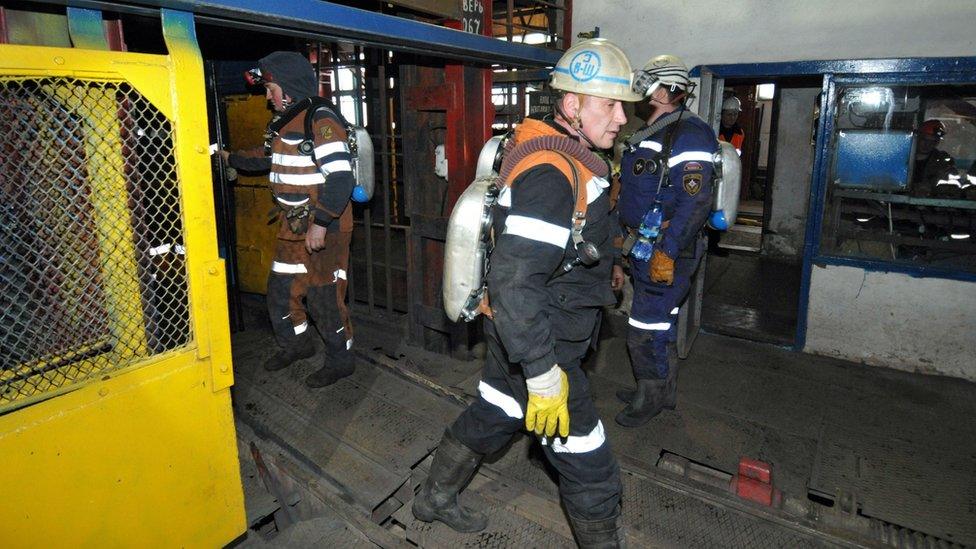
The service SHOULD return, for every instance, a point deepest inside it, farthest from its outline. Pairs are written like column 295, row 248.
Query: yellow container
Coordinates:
column 247, row 119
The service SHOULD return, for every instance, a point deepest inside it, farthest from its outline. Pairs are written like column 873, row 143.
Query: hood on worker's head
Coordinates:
column 292, row 72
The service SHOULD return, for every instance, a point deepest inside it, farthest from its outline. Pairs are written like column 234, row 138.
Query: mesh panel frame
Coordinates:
column 92, row 263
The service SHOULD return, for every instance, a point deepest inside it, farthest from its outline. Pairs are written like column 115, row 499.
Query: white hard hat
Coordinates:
column 595, row 67
column 732, row 103
column 663, row 70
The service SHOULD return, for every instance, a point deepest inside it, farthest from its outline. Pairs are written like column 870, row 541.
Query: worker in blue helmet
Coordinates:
column 665, row 199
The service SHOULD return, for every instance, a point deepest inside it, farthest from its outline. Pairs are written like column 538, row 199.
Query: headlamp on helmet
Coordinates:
column 934, row 129
column 665, row 71
column 253, row 77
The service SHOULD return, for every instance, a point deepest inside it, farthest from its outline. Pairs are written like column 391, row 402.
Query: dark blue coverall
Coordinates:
column 541, row 320
column 686, row 197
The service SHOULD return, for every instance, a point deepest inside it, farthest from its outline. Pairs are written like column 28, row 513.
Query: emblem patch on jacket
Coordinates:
column 639, row 166
column 692, row 183
column 327, row 132
column 693, row 167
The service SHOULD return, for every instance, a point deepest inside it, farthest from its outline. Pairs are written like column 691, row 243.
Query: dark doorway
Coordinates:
column 752, row 280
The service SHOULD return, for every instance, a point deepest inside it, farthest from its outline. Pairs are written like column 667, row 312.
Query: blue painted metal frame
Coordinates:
column 948, row 70
column 811, row 241
column 316, row 18
column 842, row 66
column 85, row 29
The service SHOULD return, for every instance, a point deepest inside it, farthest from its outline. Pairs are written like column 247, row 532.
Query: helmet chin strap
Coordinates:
column 578, row 128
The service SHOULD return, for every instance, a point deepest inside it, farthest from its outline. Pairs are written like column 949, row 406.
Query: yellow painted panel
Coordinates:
column 146, row 459
column 247, row 119
column 145, row 456
column 147, row 73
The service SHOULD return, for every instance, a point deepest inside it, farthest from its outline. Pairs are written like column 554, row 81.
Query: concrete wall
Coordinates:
column 714, row 31
column 916, row 324
column 791, row 174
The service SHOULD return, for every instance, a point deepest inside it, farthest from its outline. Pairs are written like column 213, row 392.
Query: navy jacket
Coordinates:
column 687, row 194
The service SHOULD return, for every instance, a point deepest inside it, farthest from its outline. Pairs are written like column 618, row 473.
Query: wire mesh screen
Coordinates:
column 92, row 271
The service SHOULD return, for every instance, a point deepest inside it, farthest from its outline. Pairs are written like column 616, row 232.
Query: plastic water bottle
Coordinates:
column 650, row 229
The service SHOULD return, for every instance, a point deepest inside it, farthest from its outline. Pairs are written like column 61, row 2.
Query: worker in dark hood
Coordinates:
column 311, row 181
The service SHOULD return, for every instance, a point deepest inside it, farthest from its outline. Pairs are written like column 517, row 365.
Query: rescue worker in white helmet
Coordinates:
column 729, row 129
column 666, row 196
column 548, row 280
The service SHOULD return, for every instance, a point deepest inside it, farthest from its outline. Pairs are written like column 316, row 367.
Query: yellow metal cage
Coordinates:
column 115, row 418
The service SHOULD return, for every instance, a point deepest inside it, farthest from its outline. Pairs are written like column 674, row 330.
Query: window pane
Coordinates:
column 902, row 184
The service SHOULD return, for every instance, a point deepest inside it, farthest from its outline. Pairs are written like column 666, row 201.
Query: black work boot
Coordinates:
column 301, row 347
column 598, row 534
column 648, row 402
column 670, row 391
column 452, row 467
column 339, row 363
column 626, row 395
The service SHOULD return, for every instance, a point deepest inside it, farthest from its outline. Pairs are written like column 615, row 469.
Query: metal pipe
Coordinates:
column 384, row 128
column 508, row 18
column 357, row 83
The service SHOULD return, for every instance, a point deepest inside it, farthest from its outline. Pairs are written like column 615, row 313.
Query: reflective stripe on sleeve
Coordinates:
column 336, row 166
column 331, row 147
column 537, row 229
column 507, row 404
column 698, row 156
column 653, row 145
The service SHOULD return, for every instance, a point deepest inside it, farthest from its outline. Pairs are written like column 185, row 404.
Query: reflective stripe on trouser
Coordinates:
column 589, row 477
column 654, row 317
column 294, row 271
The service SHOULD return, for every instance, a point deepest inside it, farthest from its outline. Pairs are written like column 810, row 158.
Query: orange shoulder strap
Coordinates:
column 570, row 168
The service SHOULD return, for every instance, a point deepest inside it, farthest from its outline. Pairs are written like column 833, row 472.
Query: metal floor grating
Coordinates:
column 884, row 475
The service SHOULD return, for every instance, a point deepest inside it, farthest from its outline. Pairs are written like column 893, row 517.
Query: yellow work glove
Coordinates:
column 661, row 268
column 548, row 405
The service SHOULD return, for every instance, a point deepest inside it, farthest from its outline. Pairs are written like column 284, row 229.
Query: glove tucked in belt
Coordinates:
column 661, row 268
column 548, row 405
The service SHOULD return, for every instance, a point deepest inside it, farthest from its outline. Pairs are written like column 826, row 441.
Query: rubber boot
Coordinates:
column 670, row 392
column 626, row 395
column 671, row 388
column 452, row 467
column 339, row 363
column 648, row 402
column 301, row 347
column 598, row 534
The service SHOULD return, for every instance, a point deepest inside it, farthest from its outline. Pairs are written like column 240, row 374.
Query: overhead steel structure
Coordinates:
column 317, row 19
